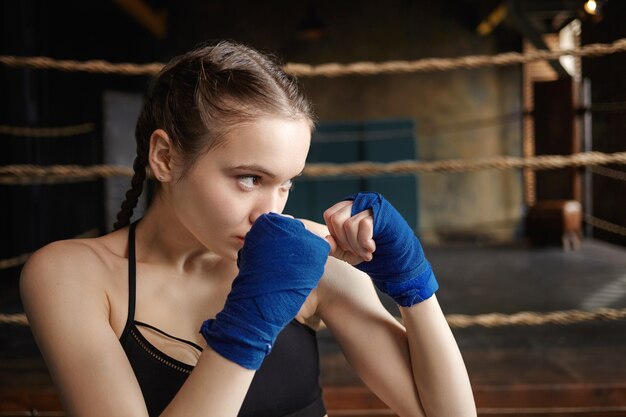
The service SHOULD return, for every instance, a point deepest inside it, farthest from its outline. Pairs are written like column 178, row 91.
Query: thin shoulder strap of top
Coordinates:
column 131, row 273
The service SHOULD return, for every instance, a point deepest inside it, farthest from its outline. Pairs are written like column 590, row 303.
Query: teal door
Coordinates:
column 345, row 142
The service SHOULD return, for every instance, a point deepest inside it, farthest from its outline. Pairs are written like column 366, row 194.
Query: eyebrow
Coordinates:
column 258, row 168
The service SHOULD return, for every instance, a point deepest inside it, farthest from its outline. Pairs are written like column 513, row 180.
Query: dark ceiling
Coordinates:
column 113, row 29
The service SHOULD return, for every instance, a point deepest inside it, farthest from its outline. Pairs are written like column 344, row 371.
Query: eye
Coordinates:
column 249, row 181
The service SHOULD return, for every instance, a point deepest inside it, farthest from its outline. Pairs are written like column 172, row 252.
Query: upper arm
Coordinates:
column 373, row 341
column 67, row 309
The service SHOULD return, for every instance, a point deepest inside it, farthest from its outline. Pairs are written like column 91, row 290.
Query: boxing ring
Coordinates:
column 542, row 330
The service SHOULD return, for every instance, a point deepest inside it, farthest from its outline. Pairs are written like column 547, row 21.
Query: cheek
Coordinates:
column 226, row 214
column 213, row 207
column 225, row 208
column 196, row 201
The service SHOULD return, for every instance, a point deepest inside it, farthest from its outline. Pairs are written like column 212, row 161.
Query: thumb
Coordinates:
column 338, row 253
column 333, row 244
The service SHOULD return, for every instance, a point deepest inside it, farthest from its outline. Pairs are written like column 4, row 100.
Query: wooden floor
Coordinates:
column 548, row 370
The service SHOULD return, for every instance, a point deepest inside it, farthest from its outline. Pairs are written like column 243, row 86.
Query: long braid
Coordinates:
column 136, row 188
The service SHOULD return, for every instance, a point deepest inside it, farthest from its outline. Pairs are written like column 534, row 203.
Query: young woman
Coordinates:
column 208, row 305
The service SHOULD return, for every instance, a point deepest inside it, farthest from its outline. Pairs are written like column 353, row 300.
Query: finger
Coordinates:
column 359, row 233
column 351, row 229
column 365, row 236
column 337, row 252
column 335, row 224
column 328, row 214
column 333, row 245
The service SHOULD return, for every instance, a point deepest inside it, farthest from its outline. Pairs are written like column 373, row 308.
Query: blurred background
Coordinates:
column 500, row 240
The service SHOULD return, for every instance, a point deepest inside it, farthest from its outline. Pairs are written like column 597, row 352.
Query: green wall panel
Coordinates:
column 345, row 142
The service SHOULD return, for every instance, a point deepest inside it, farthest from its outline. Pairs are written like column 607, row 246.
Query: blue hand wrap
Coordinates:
column 399, row 267
column 279, row 264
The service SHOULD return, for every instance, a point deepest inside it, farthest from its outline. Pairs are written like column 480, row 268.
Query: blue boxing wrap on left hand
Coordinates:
column 279, row 265
column 398, row 267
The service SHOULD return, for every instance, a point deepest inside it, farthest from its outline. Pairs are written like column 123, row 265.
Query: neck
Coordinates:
column 161, row 238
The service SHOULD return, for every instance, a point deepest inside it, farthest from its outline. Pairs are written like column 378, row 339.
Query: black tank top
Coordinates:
column 287, row 384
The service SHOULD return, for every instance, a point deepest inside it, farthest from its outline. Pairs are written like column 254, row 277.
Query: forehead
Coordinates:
column 274, row 143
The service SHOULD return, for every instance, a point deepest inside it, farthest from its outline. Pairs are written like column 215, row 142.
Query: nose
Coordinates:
column 268, row 202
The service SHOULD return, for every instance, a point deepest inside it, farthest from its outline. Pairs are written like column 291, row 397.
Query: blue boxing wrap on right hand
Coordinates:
column 279, row 265
column 398, row 267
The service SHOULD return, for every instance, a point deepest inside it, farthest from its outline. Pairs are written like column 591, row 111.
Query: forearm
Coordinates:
column 438, row 368
column 216, row 387
column 243, row 333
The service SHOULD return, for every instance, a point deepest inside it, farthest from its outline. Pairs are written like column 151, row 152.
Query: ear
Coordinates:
column 161, row 156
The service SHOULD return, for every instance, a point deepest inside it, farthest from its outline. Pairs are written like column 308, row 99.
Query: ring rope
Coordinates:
column 542, row 162
column 531, row 318
column 523, row 318
column 51, row 132
column 15, row 319
column 20, row 259
column 14, row 261
column 605, row 225
column 28, row 174
column 609, row 172
column 55, row 174
column 446, row 64
column 336, row 69
column 94, row 66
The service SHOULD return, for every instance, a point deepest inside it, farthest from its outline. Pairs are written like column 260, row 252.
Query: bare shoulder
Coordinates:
column 66, row 272
column 58, row 262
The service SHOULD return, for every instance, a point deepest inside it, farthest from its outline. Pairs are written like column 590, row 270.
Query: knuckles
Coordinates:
column 336, row 220
column 351, row 223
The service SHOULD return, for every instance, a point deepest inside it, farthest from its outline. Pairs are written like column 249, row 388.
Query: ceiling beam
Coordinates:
column 155, row 21
column 494, row 18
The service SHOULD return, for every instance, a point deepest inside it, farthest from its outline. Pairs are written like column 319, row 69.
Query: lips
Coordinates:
column 241, row 237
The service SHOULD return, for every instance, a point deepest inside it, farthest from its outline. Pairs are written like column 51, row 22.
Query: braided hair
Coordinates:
column 197, row 97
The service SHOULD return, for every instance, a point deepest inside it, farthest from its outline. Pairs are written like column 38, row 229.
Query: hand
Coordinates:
column 398, row 266
column 351, row 237
column 279, row 265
